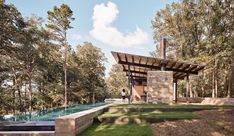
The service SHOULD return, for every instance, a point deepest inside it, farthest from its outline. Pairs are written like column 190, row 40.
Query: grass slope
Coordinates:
column 118, row 130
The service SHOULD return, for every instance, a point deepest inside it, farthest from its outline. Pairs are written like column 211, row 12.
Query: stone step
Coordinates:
column 127, row 110
column 135, row 120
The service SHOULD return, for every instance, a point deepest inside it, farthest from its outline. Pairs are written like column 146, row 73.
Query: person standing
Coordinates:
column 123, row 94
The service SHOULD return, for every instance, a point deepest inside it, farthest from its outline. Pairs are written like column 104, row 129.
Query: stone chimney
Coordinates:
column 163, row 52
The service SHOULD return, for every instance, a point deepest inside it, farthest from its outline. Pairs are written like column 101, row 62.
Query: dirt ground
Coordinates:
column 211, row 123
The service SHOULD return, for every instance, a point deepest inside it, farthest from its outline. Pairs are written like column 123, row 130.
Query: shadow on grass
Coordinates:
column 108, row 129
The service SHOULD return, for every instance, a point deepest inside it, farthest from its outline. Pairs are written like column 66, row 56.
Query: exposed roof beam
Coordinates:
column 126, row 58
column 179, row 66
column 156, row 67
column 145, row 73
column 147, row 60
column 179, row 76
column 173, row 64
column 186, row 67
column 138, row 77
column 138, row 72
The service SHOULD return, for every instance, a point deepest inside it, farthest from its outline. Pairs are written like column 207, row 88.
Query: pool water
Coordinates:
column 50, row 114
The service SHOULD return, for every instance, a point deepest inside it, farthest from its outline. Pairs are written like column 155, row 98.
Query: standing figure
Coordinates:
column 123, row 93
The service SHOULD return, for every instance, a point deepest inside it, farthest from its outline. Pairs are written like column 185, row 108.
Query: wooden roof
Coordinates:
column 140, row 65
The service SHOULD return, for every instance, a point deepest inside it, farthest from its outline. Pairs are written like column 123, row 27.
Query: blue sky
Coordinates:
column 117, row 25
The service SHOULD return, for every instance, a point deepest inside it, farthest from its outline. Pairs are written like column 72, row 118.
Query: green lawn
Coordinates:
column 174, row 106
column 163, row 115
column 142, row 129
column 118, row 130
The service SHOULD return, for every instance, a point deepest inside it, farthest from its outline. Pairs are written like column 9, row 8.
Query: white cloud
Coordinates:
column 76, row 37
column 104, row 31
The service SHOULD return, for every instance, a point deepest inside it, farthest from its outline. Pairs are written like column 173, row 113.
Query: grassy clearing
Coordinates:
column 163, row 115
column 175, row 106
column 118, row 130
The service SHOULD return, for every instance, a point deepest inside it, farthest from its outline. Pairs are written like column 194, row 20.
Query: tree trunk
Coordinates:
column 13, row 101
column 17, row 88
column 30, row 92
column 65, row 71
column 216, row 85
column 215, row 82
column 229, row 87
column 93, row 98
column 203, row 91
column 13, row 90
column 190, row 90
column 187, row 88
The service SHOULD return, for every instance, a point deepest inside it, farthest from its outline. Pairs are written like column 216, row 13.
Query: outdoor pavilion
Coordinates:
column 136, row 68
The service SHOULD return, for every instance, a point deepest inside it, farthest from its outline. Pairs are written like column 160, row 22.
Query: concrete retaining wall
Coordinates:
column 27, row 133
column 218, row 101
column 208, row 100
column 73, row 124
column 190, row 100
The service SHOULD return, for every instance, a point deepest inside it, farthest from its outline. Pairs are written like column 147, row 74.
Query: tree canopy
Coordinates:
column 200, row 31
column 32, row 57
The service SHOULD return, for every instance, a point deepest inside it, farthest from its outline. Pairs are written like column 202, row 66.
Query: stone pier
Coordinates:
column 160, row 86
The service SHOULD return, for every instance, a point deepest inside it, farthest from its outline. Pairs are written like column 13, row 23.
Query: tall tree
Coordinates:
column 60, row 19
column 91, row 63
column 116, row 81
column 11, row 26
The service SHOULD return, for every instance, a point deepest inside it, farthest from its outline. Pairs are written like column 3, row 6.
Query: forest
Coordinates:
column 202, row 32
column 40, row 69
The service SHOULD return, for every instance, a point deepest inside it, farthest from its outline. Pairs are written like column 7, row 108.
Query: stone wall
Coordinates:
column 73, row 124
column 160, row 86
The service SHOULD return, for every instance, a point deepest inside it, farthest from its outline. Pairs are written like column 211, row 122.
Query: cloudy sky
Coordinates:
column 118, row 25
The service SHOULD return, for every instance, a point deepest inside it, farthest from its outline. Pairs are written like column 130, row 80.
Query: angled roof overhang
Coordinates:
column 138, row 66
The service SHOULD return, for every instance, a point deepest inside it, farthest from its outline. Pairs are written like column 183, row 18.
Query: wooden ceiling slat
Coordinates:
column 199, row 68
column 192, row 68
column 188, row 65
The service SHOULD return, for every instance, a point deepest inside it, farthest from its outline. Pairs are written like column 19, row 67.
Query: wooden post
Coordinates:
column 129, row 84
column 132, row 85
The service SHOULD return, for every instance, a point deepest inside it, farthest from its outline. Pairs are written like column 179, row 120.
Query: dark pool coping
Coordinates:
column 28, row 126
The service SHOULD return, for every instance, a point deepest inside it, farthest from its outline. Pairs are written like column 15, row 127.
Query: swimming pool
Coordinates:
column 50, row 114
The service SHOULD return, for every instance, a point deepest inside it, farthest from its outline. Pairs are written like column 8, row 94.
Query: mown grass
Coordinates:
column 174, row 106
column 118, row 130
column 143, row 129
column 163, row 115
